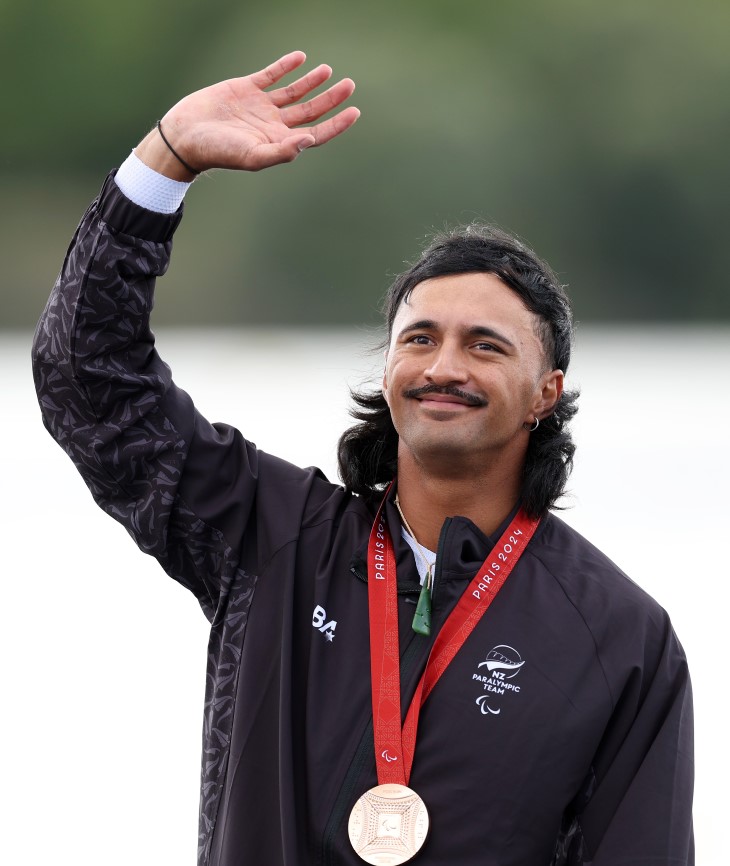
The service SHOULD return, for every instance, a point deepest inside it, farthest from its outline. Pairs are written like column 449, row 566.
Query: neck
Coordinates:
column 428, row 499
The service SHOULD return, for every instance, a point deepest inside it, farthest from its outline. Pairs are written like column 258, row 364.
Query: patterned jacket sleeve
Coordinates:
column 150, row 460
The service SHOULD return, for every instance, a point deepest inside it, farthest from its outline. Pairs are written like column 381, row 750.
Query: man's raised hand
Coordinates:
column 239, row 124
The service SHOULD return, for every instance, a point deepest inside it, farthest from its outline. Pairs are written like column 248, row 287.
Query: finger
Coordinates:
column 308, row 112
column 278, row 69
column 334, row 126
column 285, row 151
column 301, row 87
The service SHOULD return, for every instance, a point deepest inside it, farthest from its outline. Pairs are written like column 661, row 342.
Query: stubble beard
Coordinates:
column 442, row 454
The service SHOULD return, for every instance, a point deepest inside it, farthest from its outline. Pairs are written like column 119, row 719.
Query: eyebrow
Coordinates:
column 474, row 331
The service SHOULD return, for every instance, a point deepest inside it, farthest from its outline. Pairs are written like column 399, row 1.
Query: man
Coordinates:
column 554, row 699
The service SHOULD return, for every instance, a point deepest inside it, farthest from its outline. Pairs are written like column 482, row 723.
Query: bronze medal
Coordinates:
column 388, row 825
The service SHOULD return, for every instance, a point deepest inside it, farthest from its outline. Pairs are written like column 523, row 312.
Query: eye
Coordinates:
column 483, row 346
column 420, row 340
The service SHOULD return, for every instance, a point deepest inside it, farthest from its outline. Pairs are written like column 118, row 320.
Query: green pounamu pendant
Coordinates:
column 422, row 617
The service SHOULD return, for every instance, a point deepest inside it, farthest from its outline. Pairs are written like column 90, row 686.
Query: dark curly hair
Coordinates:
column 367, row 453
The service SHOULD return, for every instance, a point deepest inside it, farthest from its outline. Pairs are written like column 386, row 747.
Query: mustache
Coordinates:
column 447, row 391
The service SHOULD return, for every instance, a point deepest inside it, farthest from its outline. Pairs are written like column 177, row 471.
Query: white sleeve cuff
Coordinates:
column 148, row 188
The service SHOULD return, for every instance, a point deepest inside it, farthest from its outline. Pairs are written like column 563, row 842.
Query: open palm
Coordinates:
column 238, row 124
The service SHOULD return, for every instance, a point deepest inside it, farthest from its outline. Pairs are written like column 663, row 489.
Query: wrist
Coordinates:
column 155, row 154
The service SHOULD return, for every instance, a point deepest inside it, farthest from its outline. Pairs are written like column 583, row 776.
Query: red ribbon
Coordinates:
column 394, row 747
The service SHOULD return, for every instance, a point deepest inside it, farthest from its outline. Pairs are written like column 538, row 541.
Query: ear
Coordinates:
column 551, row 389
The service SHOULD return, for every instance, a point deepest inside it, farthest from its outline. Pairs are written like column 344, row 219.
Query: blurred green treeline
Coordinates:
column 596, row 131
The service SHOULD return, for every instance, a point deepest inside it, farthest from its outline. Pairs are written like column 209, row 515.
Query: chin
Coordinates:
column 445, row 451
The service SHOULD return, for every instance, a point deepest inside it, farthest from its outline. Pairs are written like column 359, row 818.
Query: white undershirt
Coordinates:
column 429, row 555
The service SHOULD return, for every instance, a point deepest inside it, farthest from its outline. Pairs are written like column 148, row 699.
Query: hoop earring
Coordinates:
column 534, row 426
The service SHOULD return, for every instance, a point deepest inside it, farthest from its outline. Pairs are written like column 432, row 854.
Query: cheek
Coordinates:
column 391, row 379
column 400, row 374
column 385, row 386
column 385, row 373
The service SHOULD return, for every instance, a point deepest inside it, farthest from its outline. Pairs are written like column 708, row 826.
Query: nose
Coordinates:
column 446, row 366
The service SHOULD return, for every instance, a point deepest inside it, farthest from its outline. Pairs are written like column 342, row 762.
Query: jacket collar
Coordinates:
column 462, row 549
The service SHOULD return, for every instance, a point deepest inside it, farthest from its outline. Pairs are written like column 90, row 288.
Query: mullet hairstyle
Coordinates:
column 367, row 453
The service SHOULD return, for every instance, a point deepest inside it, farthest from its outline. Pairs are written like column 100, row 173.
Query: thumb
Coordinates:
column 287, row 151
column 291, row 147
column 304, row 142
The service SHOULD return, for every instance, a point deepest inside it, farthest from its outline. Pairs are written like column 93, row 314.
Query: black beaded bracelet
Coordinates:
column 173, row 151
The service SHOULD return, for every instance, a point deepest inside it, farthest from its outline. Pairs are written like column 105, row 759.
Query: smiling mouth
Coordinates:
column 445, row 397
column 448, row 404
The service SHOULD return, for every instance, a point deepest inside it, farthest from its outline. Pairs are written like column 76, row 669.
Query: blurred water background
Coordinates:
column 598, row 132
column 94, row 635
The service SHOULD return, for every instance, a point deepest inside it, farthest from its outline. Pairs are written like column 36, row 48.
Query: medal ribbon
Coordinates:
column 394, row 747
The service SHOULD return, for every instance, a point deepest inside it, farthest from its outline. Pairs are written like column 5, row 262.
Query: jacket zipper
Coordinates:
column 439, row 558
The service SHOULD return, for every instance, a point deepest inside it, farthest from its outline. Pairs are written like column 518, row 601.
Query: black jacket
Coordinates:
column 583, row 755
